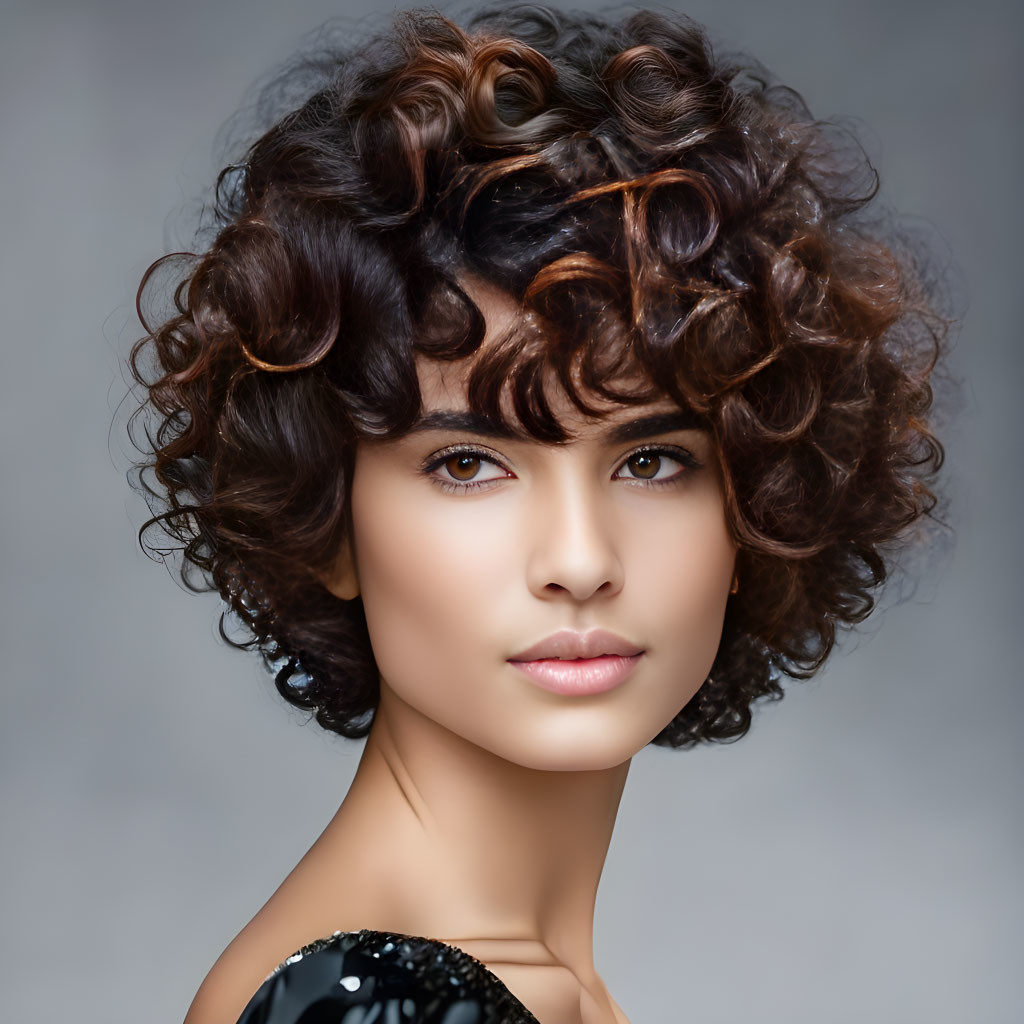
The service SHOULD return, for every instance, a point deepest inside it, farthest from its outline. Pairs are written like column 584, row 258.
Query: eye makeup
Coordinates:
column 660, row 453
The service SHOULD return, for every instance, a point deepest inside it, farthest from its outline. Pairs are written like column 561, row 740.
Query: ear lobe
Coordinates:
column 342, row 580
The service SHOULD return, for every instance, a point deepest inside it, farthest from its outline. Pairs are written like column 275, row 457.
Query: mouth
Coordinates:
column 579, row 677
column 572, row 645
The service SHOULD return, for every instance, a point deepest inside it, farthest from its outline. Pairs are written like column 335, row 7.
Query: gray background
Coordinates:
column 855, row 858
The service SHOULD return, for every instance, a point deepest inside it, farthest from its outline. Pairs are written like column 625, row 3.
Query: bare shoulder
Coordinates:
column 230, row 984
column 324, row 893
column 281, row 928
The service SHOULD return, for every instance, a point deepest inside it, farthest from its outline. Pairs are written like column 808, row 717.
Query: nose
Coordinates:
column 575, row 547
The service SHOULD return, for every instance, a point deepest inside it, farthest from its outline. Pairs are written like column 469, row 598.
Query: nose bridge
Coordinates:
column 572, row 530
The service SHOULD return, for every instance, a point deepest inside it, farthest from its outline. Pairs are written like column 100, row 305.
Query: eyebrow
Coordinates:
column 630, row 430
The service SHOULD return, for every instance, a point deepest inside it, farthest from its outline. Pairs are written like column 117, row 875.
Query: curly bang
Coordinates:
column 654, row 211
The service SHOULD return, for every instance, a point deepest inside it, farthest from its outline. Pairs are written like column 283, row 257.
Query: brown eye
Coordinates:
column 656, row 467
column 644, row 464
column 459, row 471
column 463, row 467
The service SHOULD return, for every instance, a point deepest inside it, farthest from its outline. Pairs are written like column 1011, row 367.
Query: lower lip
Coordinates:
column 581, row 677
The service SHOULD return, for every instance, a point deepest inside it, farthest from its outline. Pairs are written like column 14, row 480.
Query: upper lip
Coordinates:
column 568, row 644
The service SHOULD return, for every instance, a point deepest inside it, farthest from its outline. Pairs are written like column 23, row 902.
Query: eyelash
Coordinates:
column 680, row 455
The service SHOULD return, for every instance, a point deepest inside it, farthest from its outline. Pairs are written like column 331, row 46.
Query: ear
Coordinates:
column 342, row 579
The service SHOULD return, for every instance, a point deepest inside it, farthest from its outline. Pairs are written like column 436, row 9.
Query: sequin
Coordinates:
column 358, row 977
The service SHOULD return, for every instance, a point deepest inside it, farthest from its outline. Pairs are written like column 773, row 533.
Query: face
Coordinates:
column 467, row 550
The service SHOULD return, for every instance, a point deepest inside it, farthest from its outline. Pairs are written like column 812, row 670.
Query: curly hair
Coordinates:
column 652, row 209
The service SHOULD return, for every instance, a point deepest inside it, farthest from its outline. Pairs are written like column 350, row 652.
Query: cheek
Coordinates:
column 426, row 586
column 683, row 570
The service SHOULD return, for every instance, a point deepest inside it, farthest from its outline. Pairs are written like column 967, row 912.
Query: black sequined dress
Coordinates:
column 371, row 977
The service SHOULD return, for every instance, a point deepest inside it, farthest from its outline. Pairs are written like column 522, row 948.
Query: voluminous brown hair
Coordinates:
column 654, row 211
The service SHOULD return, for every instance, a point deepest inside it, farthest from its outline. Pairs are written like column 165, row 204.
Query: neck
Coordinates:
column 451, row 841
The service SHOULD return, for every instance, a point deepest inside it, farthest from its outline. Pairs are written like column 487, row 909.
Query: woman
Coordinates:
column 546, row 392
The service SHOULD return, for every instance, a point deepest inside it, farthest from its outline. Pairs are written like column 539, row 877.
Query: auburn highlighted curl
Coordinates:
column 658, row 214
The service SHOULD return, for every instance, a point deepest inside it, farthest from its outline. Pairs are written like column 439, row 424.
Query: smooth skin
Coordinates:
column 483, row 805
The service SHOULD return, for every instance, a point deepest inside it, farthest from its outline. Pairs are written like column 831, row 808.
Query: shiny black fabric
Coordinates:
column 371, row 977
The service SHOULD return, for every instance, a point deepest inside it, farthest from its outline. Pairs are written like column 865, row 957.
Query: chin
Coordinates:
column 560, row 746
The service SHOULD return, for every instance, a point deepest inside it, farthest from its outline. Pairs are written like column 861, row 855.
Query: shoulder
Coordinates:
column 304, row 908
column 291, row 919
column 322, row 894
column 238, row 973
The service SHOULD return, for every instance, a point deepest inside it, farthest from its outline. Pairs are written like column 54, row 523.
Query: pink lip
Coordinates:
column 580, row 677
column 569, row 643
